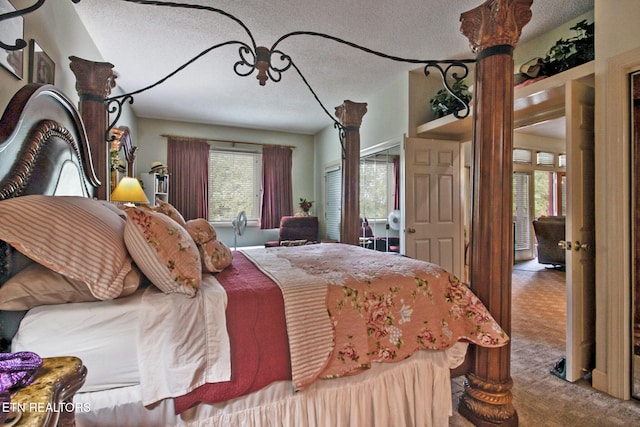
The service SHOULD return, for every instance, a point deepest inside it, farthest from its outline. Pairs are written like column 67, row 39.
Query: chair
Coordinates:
column 549, row 231
column 382, row 244
column 296, row 230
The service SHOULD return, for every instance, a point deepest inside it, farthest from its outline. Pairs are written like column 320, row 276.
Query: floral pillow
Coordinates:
column 169, row 210
column 201, row 231
column 216, row 256
column 164, row 251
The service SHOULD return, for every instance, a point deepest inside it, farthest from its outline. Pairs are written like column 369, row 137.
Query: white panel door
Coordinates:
column 580, row 233
column 433, row 203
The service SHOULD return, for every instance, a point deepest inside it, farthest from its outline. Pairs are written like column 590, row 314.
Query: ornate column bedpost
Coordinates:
column 350, row 115
column 493, row 30
column 94, row 81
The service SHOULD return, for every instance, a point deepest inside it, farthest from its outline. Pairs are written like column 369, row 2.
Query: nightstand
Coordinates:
column 48, row 401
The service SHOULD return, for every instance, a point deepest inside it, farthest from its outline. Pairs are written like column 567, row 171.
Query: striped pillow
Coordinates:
column 37, row 285
column 163, row 250
column 77, row 237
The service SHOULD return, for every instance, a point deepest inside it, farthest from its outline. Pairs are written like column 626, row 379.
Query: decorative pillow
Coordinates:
column 37, row 285
column 169, row 210
column 77, row 237
column 115, row 208
column 200, row 230
column 164, row 251
column 216, row 256
column 293, row 242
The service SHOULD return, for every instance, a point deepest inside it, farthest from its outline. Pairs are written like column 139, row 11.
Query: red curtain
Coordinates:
column 277, row 192
column 396, row 182
column 188, row 163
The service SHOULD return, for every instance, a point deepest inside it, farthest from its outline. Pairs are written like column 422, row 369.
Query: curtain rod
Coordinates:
column 194, row 138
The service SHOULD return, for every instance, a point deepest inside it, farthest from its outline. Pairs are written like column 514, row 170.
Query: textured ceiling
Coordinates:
column 145, row 43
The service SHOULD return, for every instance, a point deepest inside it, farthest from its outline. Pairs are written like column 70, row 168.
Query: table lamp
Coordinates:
column 129, row 191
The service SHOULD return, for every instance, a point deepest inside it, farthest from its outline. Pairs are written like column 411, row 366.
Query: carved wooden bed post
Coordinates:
column 350, row 116
column 493, row 30
column 94, row 81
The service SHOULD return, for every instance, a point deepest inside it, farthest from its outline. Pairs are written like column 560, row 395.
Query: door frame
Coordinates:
column 613, row 228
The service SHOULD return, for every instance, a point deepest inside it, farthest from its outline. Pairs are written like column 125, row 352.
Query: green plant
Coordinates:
column 444, row 103
column 566, row 54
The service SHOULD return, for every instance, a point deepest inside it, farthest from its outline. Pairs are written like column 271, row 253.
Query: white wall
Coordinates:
column 617, row 34
column 60, row 32
column 152, row 146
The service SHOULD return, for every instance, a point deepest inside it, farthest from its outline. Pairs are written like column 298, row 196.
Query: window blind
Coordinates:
column 521, row 156
column 333, row 208
column 235, row 179
column 522, row 233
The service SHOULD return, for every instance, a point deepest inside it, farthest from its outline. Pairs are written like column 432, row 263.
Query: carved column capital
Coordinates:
column 350, row 113
column 495, row 22
column 94, row 81
column 93, row 78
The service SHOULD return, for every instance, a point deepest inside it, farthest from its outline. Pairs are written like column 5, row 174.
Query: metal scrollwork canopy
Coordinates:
column 270, row 63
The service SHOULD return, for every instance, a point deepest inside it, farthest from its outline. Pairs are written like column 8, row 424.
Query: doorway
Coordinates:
column 570, row 192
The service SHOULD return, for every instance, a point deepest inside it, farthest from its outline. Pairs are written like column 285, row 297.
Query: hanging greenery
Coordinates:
column 444, row 103
column 569, row 53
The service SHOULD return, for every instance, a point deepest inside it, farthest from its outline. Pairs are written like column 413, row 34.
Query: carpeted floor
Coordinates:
column 538, row 340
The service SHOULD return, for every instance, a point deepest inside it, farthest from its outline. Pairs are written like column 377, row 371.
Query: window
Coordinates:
column 521, row 156
column 543, row 193
column 544, row 158
column 333, row 208
column 521, row 216
column 235, row 179
column 376, row 187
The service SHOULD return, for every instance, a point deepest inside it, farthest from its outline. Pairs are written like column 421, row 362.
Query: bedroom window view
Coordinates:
column 379, row 200
column 234, row 184
column 376, row 188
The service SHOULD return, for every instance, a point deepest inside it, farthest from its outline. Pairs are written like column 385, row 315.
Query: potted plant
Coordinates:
column 444, row 103
column 574, row 51
column 305, row 206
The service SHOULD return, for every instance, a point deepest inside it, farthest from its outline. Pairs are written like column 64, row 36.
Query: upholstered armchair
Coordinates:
column 549, row 231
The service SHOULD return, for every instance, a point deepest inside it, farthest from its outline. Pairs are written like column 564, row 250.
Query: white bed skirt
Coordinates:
column 415, row 392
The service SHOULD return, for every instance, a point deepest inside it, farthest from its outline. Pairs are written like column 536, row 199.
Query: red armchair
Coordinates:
column 298, row 229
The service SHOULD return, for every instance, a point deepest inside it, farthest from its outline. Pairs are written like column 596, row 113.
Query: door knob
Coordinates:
column 565, row 245
column 411, row 230
column 577, row 246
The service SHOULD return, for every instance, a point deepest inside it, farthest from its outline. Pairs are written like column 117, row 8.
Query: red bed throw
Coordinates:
column 257, row 336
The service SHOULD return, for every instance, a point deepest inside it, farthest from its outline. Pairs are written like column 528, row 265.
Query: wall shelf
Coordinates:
column 539, row 101
column 156, row 187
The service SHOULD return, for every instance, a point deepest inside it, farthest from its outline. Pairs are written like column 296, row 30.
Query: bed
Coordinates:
column 310, row 335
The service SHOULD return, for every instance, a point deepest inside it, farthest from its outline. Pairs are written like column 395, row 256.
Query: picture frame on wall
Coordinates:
column 10, row 31
column 42, row 69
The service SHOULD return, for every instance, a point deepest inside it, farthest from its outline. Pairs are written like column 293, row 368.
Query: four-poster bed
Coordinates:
column 493, row 30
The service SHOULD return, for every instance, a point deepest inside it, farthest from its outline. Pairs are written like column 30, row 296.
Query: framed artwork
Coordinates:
column 42, row 69
column 10, row 31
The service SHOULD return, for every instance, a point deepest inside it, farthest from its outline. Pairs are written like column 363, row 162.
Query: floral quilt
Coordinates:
column 380, row 307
